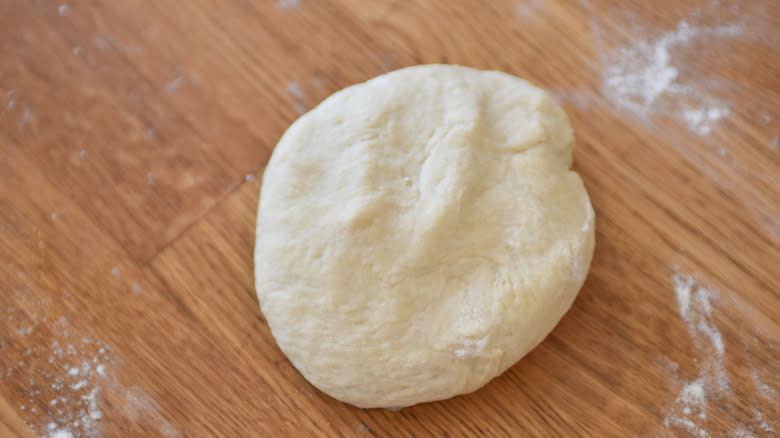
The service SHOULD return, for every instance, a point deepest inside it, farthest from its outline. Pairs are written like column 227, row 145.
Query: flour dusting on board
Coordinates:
column 642, row 78
column 288, row 4
column 529, row 8
column 690, row 406
column 295, row 90
column 689, row 411
column 66, row 378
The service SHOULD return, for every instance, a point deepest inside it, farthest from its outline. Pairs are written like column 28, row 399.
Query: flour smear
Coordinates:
column 689, row 411
column 643, row 78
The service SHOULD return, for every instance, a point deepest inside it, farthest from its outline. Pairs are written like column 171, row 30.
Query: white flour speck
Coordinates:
column 149, row 178
column 64, row 10
column 773, row 144
column 696, row 310
column 288, row 4
column 295, row 90
column 701, row 120
column 528, row 8
column 62, row 433
column 136, row 288
column 685, row 424
column 639, row 76
column 682, row 289
column 741, row 432
column 63, row 377
column 25, row 117
column 107, row 42
column 762, row 423
column 139, row 404
column 82, row 154
column 116, row 272
column 174, row 85
column 249, row 177
column 77, row 50
column 693, row 400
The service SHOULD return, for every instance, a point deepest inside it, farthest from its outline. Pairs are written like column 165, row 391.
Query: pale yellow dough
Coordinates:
column 419, row 233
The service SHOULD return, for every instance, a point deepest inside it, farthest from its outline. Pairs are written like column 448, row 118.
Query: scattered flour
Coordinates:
column 685, row 424
column 742, row 433
column 174, row 85
column 295, row 90
column 693, row 399
column 288, row 4
column 66, row 378
column 689, row 410
column 766, row 391
column 762, row 423
column 682, row 289
column 64, row 10
column 529, row 8
column 64, row 386
column 639, row 76
column 139, row 405
column 700, row 120
column 107, row 42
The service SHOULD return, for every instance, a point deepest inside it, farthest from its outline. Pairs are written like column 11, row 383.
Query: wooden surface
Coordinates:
column 133, row 137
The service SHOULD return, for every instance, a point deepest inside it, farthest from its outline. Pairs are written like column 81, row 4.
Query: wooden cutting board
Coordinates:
column 133, row 138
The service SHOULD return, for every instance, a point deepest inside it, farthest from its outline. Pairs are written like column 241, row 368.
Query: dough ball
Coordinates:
column 419, row 233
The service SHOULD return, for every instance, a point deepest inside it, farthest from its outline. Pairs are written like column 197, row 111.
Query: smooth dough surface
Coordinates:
column 419, row 233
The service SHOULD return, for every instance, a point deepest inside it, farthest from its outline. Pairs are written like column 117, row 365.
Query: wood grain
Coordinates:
column 133, row 137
